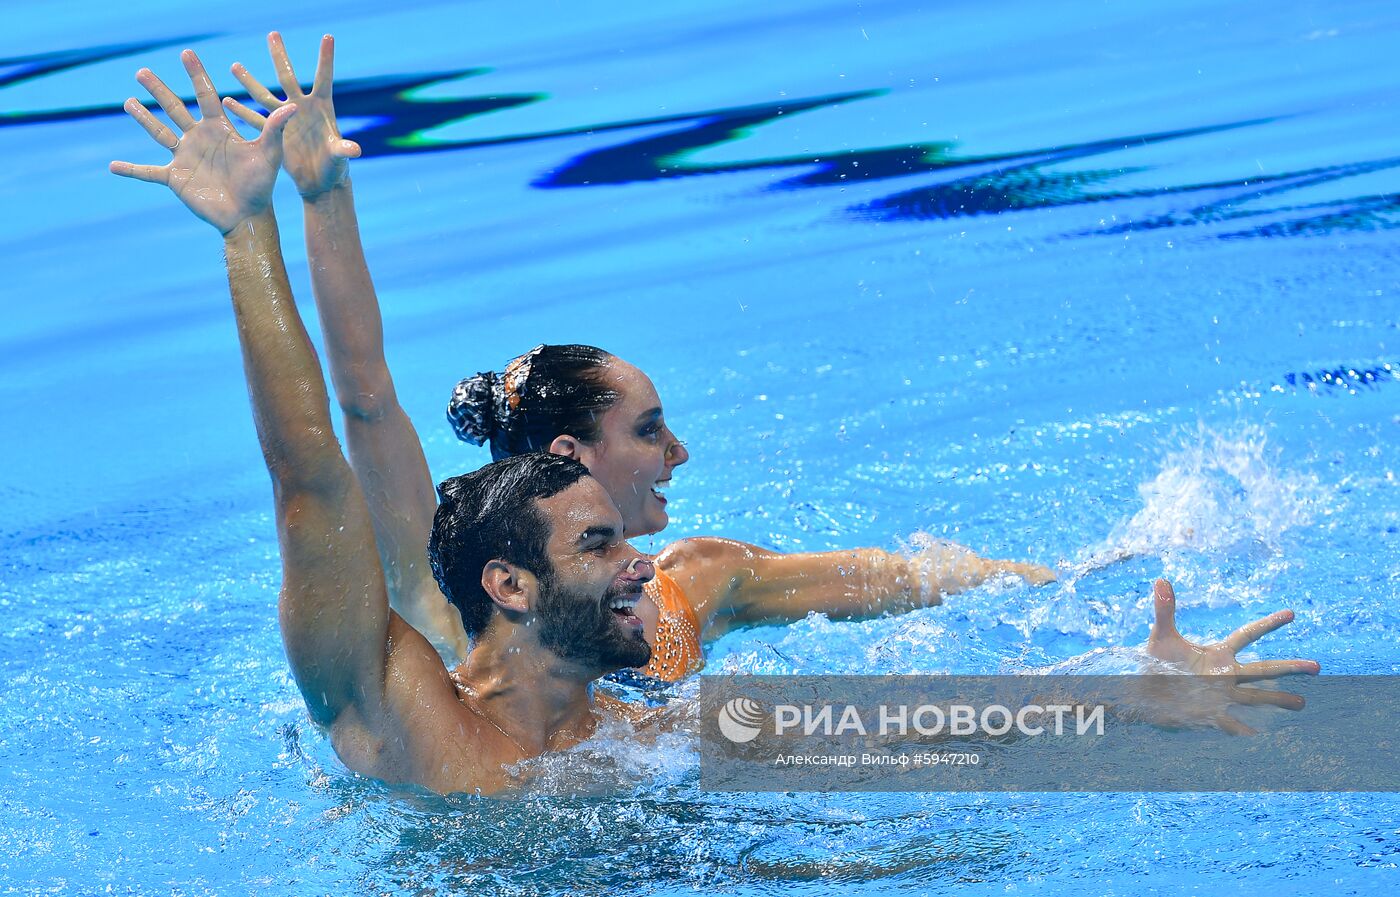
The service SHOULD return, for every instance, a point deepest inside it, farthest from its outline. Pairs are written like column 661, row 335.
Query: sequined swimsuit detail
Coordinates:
column 676, row 652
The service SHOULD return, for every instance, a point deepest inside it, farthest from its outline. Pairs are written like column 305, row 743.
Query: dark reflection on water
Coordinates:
column 1030, row 186
column 38, row 65
column 1344, row 378
column 393, row 122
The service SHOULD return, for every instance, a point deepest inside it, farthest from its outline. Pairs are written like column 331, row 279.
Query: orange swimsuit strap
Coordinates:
column 676, row 653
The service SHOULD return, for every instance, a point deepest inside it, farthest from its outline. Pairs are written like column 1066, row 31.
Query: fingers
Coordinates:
column 1250, row 633
column 1263, row 696
column 283, row 66
column 1034, row 574
column 244, row 113
column 1272, row 669
column 159, row 132
column 348, row 149
column 1227, row 723
column 1038, row 575
column 272, row 131
column 324, row 66
column 154, row 174
column 1164, row 603
column 204, row 92
column 266, row 98
column 173, row 105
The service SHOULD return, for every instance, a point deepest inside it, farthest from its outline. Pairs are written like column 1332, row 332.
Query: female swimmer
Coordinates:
column 586, row 404
column 573, row 400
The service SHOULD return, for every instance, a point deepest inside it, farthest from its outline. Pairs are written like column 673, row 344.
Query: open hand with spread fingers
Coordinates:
column 315, row 154
column 1218, row 661
column 221, row 177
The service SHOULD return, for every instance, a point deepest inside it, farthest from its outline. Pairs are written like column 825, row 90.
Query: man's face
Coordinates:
column 585, row 606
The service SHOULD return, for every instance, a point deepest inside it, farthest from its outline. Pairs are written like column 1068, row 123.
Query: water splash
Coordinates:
column 620, row 758
column 1218, row 492
column 1214, row 519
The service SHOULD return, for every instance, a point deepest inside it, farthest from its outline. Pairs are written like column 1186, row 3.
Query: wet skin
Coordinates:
column 574, row 622
column 634, row 453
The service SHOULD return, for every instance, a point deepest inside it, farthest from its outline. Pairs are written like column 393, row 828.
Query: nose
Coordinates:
column 676, row 455
column 638, row 570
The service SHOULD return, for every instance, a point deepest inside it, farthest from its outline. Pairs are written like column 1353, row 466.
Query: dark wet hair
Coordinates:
column 547, row 392
column 491, row 514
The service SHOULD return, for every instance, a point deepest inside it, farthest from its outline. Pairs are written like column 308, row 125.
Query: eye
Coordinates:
column 651, row 430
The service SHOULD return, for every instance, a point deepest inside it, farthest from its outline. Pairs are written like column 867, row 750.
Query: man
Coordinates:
column 528, row 550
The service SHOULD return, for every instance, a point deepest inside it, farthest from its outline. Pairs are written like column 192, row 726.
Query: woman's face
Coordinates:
column 636, row 451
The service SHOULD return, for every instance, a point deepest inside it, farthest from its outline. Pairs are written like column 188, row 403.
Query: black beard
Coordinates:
column 582, row 629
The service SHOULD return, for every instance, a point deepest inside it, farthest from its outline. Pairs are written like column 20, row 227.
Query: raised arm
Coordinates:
column 384, row 448
column 734, row 582
column 333, row 609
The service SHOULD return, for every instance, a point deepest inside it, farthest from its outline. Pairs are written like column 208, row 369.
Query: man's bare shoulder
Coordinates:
column 419, row 732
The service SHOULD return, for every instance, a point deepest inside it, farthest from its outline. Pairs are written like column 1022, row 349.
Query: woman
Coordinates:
column 583, row 403
column 573, row 400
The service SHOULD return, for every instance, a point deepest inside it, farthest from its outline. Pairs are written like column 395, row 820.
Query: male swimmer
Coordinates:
column 576, row 401
column 529, row 550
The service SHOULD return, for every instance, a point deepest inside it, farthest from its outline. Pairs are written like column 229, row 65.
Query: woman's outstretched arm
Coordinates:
column 734, row 583
column 384, row 448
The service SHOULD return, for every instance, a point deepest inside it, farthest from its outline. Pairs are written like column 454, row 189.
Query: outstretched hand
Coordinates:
column 315, row 154
column 1218, row 660
column 1035, row 574
column 948, row 567
column 221, row 177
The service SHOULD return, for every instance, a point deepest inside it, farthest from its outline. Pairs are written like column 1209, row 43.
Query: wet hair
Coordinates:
column 549, row 391
column 493, row 514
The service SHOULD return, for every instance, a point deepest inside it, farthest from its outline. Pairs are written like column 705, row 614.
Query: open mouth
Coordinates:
column 659, row 488
column 623, row 606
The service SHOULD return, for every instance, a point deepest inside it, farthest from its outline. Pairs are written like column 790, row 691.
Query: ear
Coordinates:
column 511, row 588
column 567, row 446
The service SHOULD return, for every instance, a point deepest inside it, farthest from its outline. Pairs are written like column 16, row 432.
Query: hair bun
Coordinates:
column 473, row 408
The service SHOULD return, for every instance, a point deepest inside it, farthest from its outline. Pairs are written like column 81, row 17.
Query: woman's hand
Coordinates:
column 221, row 177
column 944, row 568
column 1035, row 574
column 315, row 154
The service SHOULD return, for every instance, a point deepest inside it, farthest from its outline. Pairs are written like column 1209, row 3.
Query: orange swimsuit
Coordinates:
column 676, row 652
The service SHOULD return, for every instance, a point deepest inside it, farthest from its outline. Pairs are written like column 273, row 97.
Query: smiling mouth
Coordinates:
column 658, row 490
column 623, row 607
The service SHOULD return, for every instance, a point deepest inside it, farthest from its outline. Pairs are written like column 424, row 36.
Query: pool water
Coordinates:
column 1055, row 281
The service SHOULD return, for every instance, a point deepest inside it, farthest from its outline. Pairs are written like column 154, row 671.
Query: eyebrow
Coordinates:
column 607, row 533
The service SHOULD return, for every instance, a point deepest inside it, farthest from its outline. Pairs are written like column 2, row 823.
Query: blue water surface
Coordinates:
column 1057, row 281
